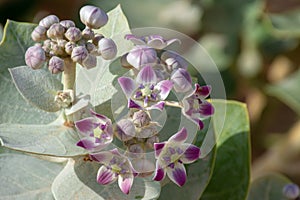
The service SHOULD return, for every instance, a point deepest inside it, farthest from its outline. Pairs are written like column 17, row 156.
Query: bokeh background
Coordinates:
column 255, row 44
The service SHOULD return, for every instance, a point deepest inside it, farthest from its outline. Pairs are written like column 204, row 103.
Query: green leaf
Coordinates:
column 268, row 187
column 53, row 139
column 286, row 23
column 231, row 175
column 287, row 91
column 116, row 28
column 99, row 81
column 26, row 177
column 78, row 181
column 39, row 87
column 13, row 107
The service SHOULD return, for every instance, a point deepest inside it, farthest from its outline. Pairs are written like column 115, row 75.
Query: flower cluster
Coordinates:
column 157, row 72
column 58, row 40
column 61, row 45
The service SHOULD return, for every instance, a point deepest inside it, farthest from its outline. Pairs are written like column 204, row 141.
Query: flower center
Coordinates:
column 97, row 132
column 172, row 155
column 146, row 91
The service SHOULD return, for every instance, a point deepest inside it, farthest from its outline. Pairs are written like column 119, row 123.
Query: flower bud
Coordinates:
column 56, row 65
column 136, row 148
column 107, row 48
column 125, row 63
column 146, row 131
column 125, row 130
column 140, row 56
column 73, row 34
column 141, row 118
column 69, row 46
column 88, row 34
column 93, row 17
column 291, row 191
column 79, row 54
column 56, row 31
column 150, row 141
column 48, row 21
column 143, row 166
column 67, row 24
column 61, row 43
column 182, row 80
column 39, row 34
column 47, row 45
column 174, row 60
column 56, row 49
column 35, row 57
column 90, row 47
column 89, row 62
column 64, row 98
column 97, row 38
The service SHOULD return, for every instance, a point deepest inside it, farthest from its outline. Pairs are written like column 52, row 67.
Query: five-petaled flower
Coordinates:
column 145, row 88
column 97, row 132
column 171, row 156
column 196, row 107
column 154, row 41
column 115, row 166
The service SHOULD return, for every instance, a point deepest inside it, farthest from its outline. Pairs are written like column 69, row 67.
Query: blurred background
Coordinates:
column 255, row 44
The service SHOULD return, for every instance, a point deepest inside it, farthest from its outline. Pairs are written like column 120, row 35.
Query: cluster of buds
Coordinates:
column 157, row 72
column 58, row 40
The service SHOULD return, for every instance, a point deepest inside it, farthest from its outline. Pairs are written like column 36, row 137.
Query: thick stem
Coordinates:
column 69, row 75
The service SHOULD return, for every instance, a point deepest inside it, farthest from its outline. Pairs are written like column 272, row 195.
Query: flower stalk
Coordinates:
column 69, row 75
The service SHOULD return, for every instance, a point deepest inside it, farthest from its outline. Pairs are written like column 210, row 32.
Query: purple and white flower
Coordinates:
column 196, row 107
column 182, row 80
column 141, row 55
column 115, row 167
column 97, row 132
column 147, row 89
column 171, row 156
column 154, row 41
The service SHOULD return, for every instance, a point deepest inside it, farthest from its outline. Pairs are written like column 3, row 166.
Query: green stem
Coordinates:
column 69, row 75
column 173, row 104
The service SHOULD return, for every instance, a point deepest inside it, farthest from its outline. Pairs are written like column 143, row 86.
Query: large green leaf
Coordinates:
column 26, row 177
column 268, row 187
column 38, row 87
column 231, row 174
column 13, row 107
column 287, row 91
column 78, row 181
column 99, row 82
column 53, row 139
